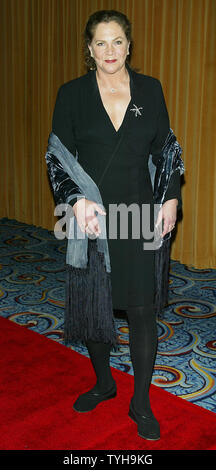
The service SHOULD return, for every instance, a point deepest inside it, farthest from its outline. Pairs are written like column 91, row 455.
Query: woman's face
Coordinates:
column 109, row 47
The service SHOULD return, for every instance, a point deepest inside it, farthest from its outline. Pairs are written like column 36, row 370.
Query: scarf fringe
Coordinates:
column 162, row 263
column 88, row 306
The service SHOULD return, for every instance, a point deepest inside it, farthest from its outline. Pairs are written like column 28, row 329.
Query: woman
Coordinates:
column 112, row 118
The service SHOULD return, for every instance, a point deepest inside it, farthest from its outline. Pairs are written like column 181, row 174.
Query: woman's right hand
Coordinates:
column 84, row 210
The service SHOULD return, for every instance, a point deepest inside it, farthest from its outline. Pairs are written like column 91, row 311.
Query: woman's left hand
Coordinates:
column 168, row 214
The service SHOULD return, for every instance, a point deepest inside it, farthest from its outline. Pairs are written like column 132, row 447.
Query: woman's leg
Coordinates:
column 100, row 358
column 143, row 346
column 105, row 387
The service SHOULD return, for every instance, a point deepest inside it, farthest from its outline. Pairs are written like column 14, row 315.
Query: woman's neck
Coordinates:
column 112, row 80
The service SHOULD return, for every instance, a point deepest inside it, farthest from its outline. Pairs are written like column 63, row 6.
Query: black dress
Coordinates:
column 83, row 125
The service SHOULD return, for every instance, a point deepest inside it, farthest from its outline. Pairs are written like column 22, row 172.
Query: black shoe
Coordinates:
column 148, row 427
column 89, row 400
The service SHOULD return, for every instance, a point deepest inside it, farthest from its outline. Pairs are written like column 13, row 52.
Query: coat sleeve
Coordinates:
column 163, row 127
column 64, row 188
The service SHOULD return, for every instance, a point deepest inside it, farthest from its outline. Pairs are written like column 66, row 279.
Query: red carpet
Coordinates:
column 40, row 380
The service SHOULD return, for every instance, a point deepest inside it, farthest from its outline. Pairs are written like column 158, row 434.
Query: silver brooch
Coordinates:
column 136, row 110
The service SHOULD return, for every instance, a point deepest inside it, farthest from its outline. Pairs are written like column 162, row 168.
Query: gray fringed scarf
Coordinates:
column 170, row 160
column 77, row 247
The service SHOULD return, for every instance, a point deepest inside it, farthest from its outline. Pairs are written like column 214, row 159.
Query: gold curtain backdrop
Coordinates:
column 41, row 48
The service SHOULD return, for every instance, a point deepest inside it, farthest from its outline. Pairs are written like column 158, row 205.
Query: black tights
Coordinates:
column 143, row 345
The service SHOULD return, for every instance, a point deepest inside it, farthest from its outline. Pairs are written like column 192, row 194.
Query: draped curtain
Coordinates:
column 41, row 48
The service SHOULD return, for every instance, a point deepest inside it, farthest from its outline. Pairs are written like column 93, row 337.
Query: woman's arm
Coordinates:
column 172, row 200
column 64, row 188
